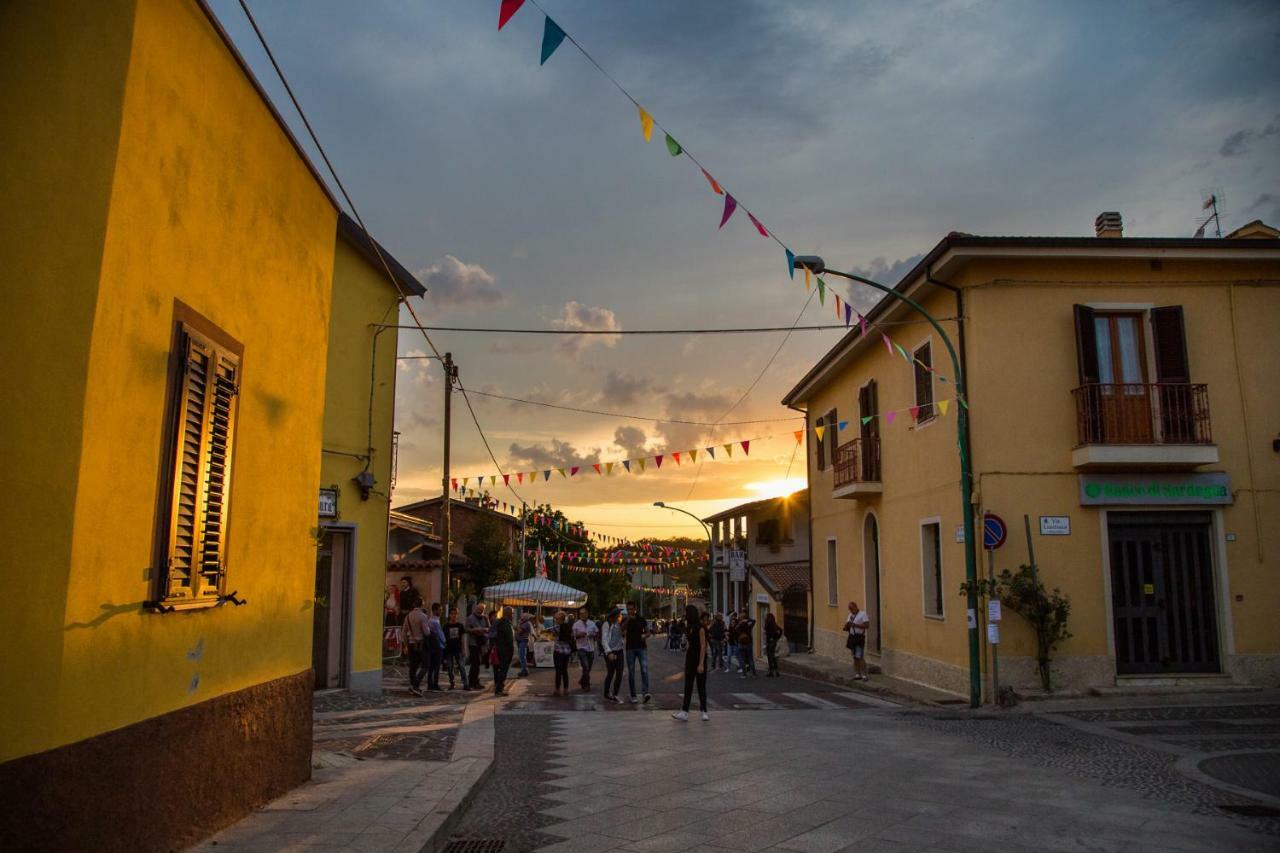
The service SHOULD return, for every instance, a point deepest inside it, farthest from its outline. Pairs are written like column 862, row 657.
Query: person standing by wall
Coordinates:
column 504, row 641
column 856, row 624
column 477, row 645
column 772, row 634
column 435, row 647
column 454, row 638
column 585, row 634
column 695, row 664
column 613, row 644
column 562, row 651
column 717, row 634
column 637, row 633
column 745, row 629
column 415, row 635
column 408, row 594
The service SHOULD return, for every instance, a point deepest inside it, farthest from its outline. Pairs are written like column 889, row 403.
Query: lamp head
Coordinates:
column 813, row 263
column 659, row 503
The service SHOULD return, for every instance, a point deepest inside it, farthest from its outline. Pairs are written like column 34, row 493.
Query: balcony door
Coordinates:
column 1125, row 406
column 869, row 433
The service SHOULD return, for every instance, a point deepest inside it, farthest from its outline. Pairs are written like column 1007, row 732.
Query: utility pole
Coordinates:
column 524, row 526
column 450, row 373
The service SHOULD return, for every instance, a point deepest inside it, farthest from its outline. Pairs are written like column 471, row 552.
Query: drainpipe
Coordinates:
column 964, row 363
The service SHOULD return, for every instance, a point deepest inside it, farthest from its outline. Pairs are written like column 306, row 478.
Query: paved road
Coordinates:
column 790, row 764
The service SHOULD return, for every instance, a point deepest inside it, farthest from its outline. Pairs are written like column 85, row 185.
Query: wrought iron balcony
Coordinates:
column 1162, row 424
column 857, row 468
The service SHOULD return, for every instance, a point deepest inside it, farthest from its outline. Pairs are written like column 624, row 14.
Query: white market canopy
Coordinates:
column 535, row 591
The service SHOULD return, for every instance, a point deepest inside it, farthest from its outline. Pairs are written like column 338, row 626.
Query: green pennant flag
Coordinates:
column 822, row 292
column 673, row 146
column 866, row 419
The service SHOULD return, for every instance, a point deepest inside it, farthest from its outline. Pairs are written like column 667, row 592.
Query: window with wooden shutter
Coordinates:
column 203, row 438
column 923, row 361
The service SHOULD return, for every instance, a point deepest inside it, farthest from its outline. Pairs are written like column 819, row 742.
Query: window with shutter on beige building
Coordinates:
column 203, row 430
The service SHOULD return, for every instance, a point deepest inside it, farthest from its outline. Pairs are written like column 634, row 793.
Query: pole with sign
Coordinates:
column 994, row 533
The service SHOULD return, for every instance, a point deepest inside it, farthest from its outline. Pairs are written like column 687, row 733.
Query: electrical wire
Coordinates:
column 632, row 417
column 750, row 330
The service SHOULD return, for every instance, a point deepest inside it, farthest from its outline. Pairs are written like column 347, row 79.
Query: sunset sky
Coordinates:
column 526, row 197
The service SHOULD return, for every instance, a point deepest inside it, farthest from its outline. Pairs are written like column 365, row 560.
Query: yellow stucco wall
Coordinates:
column 210, row 204
column 362, row 296
column 59, row 136
column 1022, row 367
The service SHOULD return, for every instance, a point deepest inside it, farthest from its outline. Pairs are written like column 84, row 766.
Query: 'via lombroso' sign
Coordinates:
column 1147, row 489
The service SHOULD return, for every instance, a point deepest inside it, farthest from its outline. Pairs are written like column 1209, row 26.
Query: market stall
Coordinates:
column 536, row 592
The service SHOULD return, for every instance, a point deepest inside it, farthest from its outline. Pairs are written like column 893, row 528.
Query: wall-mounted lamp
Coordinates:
column 364, row 482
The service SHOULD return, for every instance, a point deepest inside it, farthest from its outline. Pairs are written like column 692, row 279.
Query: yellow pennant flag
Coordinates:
column 808, row 283
column 561, row 470
column 641, row 461
column 693, row 456
column 728, row 448
column 493, row 479
column 820, row 430
column 608, row 468
column 942, row 406
column 646, row 123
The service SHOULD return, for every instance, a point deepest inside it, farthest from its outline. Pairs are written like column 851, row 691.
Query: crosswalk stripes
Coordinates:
column 837, row 701
column 867, row 699
column 815, row 701
column 753, row 699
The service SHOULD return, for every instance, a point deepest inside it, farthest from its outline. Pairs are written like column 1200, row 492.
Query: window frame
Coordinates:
column 833, row 573
column 935, row 522
column 927, row 411
column 190, row 329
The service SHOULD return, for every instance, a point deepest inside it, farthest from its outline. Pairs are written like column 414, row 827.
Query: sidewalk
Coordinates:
column 840, row 672
column 390, row 772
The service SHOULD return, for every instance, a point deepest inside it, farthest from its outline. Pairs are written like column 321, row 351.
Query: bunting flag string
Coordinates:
column 552, row 37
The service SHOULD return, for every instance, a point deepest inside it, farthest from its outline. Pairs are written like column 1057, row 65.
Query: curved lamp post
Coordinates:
column 705, row 529
column 817, row 266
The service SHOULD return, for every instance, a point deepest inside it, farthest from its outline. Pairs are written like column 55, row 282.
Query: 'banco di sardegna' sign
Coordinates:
column 1151, row 489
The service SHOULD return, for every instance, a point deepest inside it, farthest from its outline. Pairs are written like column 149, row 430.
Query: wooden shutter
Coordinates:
column 924, row 382
column 819, row 446
column 201, row 470
column 1170, row 343
column 833, row 435
column 1086, row 346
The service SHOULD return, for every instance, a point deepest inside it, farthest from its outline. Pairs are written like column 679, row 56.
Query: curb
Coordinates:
column 857, row 686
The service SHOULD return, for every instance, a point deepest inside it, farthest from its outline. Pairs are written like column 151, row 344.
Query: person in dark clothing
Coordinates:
column 744, row 635
column 695, row 664
column 717, row 634
column 453, row 633
column 435, row 647
column 408, row 594
column 477, row 627
column 636, row 631
column 416, row 637
column 772, row 634
column 505, row 644
column 562, row 651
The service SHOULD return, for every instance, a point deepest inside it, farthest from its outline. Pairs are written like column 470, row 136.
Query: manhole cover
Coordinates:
column 1252, row 810
column 476, row 845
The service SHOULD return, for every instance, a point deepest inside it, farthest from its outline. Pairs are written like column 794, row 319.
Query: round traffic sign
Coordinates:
column 994, row 531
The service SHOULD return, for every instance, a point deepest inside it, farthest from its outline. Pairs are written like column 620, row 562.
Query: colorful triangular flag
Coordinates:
column 574, row 470
column 658, row 460
column 902, row 352
column 693, row 456
column 848, row 313
column 730, row 205
column 715, row 187
column 506, row 479
column 552, row 35
column 506, row 10
column 791, row 263
column 799, row 436
column 756, row 223
column 728, row 448
column 711, row 451
column 808, row 281
column 888, row 344
column 915, row 412
column 942, row 406
column 546, row 475
column 822, row 291
column 642, row 462
column 596, row 465
column 889, row 416
column 608, row 468
column 862, row 325
column 626, row 463
column 842, row 425
column 821, row 430
column 866, row 419
column 676, row 456
column 646, row 123
column 746, row 447
column 673, row 146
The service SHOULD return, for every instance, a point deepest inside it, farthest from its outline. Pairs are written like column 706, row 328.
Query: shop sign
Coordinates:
column 328, row 503
column 737, row 566
column 1155, row 489
column 761, row 598
column 1055, row 525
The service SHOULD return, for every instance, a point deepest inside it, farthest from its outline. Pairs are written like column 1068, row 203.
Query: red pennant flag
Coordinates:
column 573, row 470
column 508, row 8
column 597, row 467
column 799, row 436
column 658, row 459
column 714, row 186
column 506, row 479
column 746, row 447
column 756, row 223
column 676, row 456
column 454, row 483
column 520, row 477
column 915, row 413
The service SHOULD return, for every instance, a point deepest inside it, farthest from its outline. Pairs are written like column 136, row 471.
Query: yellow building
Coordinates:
column 1123, row 397
column 171, row 266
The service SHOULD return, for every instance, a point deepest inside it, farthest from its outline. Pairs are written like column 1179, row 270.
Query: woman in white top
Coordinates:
column 856, row 625
column 613, row 642
column 585, row 633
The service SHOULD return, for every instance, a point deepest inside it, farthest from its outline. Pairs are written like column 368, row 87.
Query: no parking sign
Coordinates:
column 994, row 531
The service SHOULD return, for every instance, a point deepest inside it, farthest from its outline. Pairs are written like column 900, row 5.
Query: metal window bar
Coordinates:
column 1143, row 413
column 858, row 461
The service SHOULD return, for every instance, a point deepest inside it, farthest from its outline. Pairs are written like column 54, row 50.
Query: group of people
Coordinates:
column 733, row 642
column 621, row 639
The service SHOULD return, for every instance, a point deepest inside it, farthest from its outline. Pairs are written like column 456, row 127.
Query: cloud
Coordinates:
column 576, row 316
column 1269, row 204
column 561, row 454
column 1238, row 142
column 621, row 389
column 455, row 283
column 889, row 273
column 631, row 439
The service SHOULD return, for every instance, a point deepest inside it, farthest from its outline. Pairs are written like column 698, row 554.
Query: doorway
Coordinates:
column 332, row 622
column 871, row 568
column 795, row 617
column 1162, row 593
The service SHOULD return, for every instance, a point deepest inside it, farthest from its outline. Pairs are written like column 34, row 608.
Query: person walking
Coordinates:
column 613, row 644
column 636, row 630
column 717, row 635
column 504, row 643
column 477, row 645
column 454, row 637
column 746, row 652
column 585, row 634
column 695, row 664
column 772, row 634
column 524, row 634
column 415, row 635
column 435, row 647
column 562, row 650
column 856, row 624
column 674, row 632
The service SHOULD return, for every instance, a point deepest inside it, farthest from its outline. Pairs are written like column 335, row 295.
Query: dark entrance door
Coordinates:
column 795, row 617
column 330, row 625
column 1162, row 593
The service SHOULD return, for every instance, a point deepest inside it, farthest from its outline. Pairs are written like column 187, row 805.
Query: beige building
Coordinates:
column 1123, row 396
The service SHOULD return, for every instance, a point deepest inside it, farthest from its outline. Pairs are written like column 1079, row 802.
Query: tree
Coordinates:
column 1047, row 612
column 487, row 551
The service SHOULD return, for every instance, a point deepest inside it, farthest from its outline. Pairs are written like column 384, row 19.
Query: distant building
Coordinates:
column 773, row 535
column 463, row 515
column 1122, row 395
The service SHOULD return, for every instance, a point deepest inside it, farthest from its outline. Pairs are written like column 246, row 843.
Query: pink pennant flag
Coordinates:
column 756, row 223
column 730, row 205
column 746, row 447
column 888, row 344
column 862, row 325
column 508, row 8
column 715, row 187
column 915, row 413
column 889, row 416
column 574, row 470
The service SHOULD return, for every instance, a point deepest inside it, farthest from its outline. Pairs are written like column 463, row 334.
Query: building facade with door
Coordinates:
column 169, row 290
column 772, row 536
column 1122, row 396
column 356, row 461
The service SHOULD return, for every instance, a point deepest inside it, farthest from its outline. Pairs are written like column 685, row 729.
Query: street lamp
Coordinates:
column 817, row 266
column 706, row 529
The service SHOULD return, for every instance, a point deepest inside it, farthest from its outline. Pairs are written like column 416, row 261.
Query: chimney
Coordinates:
column 1108, row 224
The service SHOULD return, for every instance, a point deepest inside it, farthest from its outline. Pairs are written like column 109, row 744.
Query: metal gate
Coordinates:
column 1162, row 593
column 795, row 617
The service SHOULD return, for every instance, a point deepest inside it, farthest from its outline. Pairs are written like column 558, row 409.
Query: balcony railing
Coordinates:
column 1138, row 413
column 858, row 461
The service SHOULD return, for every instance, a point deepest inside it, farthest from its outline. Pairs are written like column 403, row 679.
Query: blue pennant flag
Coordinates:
column 791, row 263
column 552, row 35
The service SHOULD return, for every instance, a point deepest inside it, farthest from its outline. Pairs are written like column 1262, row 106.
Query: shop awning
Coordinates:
column 534, row 591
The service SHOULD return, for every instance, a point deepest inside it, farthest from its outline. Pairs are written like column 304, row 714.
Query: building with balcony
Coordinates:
column 1122, row 397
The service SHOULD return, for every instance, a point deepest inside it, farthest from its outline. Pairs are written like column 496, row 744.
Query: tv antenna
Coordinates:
column 1210, row 204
